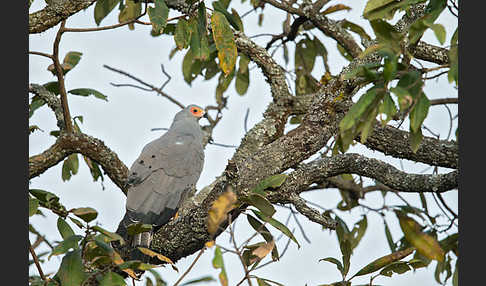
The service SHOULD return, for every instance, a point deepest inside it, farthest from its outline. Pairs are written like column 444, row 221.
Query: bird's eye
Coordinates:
column 194, row 110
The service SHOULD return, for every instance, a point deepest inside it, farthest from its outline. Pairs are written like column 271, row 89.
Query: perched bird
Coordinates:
column 162, row 175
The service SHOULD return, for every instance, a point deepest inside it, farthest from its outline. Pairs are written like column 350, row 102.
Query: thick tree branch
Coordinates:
column 54, row 13
column 395, row 142
column 95, row 149
column 327, row 167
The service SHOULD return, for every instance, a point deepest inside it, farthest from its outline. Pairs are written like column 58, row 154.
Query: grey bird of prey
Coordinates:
column 160, row 178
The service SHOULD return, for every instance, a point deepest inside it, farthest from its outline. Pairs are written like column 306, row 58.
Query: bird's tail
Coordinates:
column 141, row 240
column 138, row 240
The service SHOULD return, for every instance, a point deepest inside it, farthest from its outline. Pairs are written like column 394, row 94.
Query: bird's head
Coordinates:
column 191, row 112
column 196, row 111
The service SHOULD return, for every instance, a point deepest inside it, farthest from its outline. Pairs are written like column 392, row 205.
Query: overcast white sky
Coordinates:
column 124, row 124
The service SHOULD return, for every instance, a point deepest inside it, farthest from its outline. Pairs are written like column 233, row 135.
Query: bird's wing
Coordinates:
column 166, row 168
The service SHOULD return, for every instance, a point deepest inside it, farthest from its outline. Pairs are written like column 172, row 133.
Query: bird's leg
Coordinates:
column 137, row 240
column 146, row 239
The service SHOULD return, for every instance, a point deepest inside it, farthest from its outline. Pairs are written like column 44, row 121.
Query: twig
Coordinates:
column 130, row 85
column 41, row 54
column 153, row 88
column 245, row 126
column 36, row 261
column 300, row 227
column 450, row 121
column 107, row 27
column 167, row 75
column 60, row 79
column 190, row 266
column 238, row 252
column 452, row 100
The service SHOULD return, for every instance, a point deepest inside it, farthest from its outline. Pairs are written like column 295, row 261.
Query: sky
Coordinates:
column 124, row 123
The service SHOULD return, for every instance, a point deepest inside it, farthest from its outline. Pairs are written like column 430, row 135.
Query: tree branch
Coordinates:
column 395, row 142
column 95, row 149
column 327, row 167
column 52, row 14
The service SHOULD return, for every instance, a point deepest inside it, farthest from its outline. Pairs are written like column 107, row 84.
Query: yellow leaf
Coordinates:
column 151, row 253
column 225, row 43
column 219, row 210
column 426, row 244
column 131, row 273
column 210, row 244
column 335, row 8
column 262, row 251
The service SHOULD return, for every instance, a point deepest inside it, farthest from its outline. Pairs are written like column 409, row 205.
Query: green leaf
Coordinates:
column 278, row 225
column 136, row 228
column 346, row 251
column 264, row 232
column 199, row 39
column 218, row 263
column 343, row 52
column 455, row 276
column 77, row 222
column 358, row 232
column 223, row 84
column 398, row 267
column 103, row 8
column 44, row 196
column 261, row 282
column 388, row 107
column 70, row 61
column 387, row 35
column 232, row 19
column 130, row 11
column 334, row 261
column 52, row 86
column 87, row 92
column 70, row 167
column 390, row 68
column 158, row 16
column 355, row 28
column 112, row 279
column 71, row 272
column 452, row 75
column 384, row 261
column 64, row 229
column 271, row 182
column 236, row 18
column 199, row 280
column 357, row 110
column 187, row 63
column 389, row 237
column 33, row 206
column 419, row 113
column 377, row 9
column 35, row 104
column 426, row 244
column 225, row 43
column 305, row 55
column 65, row 245
column 87, row 214
column 439, row 32
column 243, row 75
column 113, row 236
column 261, row 203
column 94, row 168
column 417, row 29
column 182, row 34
